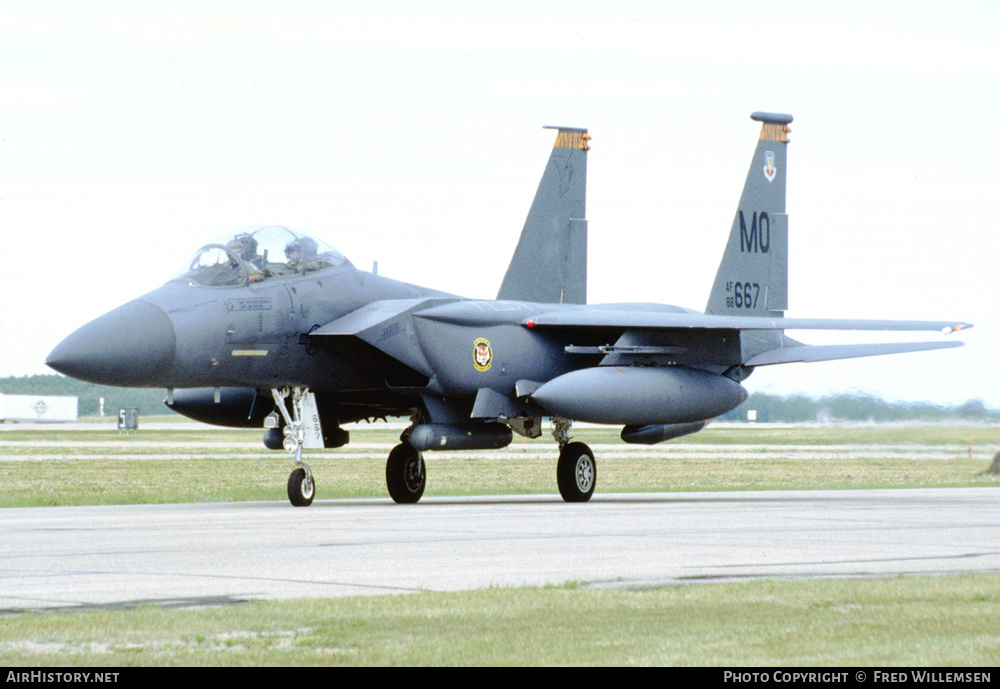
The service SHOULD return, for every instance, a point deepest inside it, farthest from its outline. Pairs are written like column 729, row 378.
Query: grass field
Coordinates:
column 191, row 463
column 879, row 622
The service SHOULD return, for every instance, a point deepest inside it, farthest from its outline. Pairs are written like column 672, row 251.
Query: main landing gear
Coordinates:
column 576, row 473
column 405, row 474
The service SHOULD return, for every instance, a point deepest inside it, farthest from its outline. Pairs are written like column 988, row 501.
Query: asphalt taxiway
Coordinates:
column 66, row 557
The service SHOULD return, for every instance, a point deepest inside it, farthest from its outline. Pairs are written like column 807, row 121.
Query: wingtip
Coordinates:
column 947, row 330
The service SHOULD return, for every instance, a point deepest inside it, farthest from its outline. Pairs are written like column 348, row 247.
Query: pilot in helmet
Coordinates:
column 301, row 253
column 245, row 247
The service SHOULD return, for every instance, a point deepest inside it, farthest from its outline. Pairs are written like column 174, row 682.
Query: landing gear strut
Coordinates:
column 301, row 486
column 576, row 472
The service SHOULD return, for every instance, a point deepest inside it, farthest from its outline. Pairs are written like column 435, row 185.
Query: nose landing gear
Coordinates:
column 301, row 485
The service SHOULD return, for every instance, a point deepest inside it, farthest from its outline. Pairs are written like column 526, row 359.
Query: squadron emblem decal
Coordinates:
column 482, row 354
column 769, row 169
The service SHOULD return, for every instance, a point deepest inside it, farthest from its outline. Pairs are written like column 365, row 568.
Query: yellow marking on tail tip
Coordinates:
column 569, row 139
column 775, row 132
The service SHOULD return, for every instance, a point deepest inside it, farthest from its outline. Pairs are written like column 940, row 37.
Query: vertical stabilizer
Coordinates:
column 753, row 277
column 550, row 262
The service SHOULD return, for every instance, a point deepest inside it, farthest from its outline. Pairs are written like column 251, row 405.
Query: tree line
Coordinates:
column 854, row 407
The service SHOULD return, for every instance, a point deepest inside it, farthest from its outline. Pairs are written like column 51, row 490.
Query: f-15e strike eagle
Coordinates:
column 270, row 327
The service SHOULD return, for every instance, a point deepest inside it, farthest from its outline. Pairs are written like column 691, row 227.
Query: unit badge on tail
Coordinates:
column 769, row 169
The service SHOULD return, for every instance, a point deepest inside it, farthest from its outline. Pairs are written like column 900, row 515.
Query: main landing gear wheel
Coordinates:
column 576, row 473
column 405, row 475
column 301, row 488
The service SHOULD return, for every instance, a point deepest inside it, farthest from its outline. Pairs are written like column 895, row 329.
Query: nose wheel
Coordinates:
column 301, row 488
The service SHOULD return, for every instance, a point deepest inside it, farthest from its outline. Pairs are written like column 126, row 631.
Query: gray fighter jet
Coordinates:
column 270, row 327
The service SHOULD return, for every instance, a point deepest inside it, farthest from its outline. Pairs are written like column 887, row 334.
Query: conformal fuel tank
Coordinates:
column 639, row 395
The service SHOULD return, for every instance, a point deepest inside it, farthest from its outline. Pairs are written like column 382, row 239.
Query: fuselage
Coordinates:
column 371, row 346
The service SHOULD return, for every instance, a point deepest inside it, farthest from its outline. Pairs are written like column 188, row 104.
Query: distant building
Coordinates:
column 33, row 408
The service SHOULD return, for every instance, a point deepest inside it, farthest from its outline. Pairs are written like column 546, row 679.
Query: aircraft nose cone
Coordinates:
column 132, row 346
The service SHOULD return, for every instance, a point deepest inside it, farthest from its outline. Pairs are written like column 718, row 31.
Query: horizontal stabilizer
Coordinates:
column 811, row 353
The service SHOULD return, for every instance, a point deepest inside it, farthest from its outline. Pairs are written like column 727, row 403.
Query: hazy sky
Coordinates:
column 410, row 133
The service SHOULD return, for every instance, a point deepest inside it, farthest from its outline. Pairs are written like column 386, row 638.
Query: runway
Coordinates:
column 191, row 554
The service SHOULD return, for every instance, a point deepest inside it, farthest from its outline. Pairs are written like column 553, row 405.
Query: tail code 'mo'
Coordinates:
column 753, row 276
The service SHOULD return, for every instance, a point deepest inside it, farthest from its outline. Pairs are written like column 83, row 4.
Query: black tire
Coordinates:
column 576, row 473
column 301, row 488
column 405, row 475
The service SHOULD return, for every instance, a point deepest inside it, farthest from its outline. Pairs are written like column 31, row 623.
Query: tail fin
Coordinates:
column 753, row 277
column 550, row 262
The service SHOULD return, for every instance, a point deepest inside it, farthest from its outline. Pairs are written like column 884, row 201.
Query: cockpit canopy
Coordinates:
column 257, row 254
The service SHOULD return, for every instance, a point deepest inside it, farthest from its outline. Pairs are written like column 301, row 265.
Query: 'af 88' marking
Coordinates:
column 744, row 295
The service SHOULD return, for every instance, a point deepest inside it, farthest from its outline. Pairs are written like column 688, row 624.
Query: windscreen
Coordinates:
column 258, row 254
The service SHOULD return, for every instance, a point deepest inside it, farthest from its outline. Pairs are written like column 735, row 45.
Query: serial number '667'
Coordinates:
column 744, row 295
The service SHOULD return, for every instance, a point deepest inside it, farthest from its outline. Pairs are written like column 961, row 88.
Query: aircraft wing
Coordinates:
column 596, row 318
column 811, row 353
column 755, row 352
